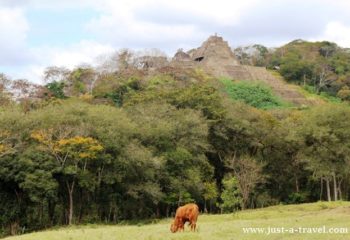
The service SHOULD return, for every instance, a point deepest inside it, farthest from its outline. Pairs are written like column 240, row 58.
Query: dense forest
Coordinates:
column 105, row 145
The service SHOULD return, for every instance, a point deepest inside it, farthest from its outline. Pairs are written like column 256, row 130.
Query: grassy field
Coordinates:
column 227, row 226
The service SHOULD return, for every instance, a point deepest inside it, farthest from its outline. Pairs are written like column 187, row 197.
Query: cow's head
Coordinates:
column 174, row 227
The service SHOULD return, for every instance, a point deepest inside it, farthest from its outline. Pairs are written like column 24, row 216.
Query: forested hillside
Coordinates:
column 321, row 67
column 95, row 145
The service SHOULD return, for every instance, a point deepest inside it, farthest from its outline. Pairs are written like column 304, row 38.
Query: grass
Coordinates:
column 309, row 92
column 215, row 227
column 323, row 95
column 309, row 95
column 253, row 93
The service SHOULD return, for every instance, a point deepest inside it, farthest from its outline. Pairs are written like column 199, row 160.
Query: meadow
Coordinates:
column 225, row 226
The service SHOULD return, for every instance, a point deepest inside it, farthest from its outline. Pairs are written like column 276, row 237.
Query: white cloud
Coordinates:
column 337, row 32
column 223, row 12
column 125, row 23
column 13, row 29
column 220, row 11
column 84, row 52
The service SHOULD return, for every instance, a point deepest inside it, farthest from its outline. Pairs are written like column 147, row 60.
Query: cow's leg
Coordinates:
column 193, row 226
column 182, row 227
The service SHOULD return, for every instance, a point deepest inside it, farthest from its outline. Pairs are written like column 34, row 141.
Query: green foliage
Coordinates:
column 210, row 191
column 323, row 65
column 178, row 137
column 325, row 127
column 203, row 98
column 344, row 93
column 324, row 95
column 116, row 88
column 56, row 89
column 231, row 196
column 297, row 198
column 195, row 96
column 294, row 69
column 254, row 94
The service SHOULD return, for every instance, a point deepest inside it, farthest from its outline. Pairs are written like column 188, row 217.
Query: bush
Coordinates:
column 299, row 197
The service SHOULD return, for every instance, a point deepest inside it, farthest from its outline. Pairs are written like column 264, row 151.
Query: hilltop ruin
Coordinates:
column 216, row 58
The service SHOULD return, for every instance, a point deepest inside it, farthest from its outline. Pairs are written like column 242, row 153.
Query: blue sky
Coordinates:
column 40, row 33
column 58, row 27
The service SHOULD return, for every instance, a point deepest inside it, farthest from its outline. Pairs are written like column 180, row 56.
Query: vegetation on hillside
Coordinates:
column 253, row 94
column 95, row 146
column 322, row 65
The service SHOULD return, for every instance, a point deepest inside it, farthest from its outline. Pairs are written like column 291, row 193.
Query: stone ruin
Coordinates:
column 211, row 56
column 216, row 58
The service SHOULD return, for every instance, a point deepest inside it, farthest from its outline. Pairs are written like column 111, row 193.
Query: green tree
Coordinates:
column 327, row 139
column 210, row 193
column 248, row 173
column 344, row 93
column 56, row 89
column 73, row 155
column 230, row 196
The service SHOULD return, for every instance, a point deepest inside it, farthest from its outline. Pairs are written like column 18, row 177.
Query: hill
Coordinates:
column 217, row 59
column 226, row 226
column 322, row 67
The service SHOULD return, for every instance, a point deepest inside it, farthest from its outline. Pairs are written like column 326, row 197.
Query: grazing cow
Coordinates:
column 187, row 213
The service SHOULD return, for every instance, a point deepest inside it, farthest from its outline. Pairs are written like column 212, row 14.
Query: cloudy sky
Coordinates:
column 39, row 33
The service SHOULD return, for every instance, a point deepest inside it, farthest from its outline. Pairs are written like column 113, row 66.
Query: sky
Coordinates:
column 35, row 34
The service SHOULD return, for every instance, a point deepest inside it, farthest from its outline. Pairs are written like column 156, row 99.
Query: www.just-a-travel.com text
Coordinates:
column 295, row 230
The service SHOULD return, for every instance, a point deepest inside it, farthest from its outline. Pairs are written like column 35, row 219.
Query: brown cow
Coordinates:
column 187, row 213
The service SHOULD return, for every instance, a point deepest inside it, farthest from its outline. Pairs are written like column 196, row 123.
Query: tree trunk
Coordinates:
column 335, row 187
column 51, row 211
column 82, row 199
column 296, row 183
column 321, row 190
column 328, row 190
column 14, row 226
column 179, row 202
column 41, row 212
column 70, row 210
column 167, row 210
column 114, row 214
column 339, row 190
column 158, row 211
column 244, row 203
column 205, row 206
column 70, row 189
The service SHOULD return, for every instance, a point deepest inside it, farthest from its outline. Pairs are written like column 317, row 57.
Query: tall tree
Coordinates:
column 327, row 139
column 72, row 154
